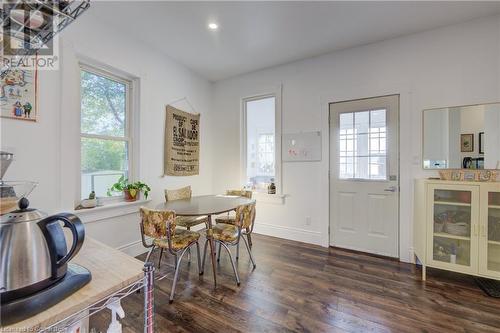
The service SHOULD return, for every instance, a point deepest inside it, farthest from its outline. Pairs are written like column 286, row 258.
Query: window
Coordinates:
column 362, row 145
column 104, row 130
column 260, row 140
column 265, row 154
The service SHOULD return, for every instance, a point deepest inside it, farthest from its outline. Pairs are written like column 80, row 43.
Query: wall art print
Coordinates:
column 18, row 94
column 182, row 143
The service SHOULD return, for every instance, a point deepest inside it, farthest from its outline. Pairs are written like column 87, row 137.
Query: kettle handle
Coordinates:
column 72, row 222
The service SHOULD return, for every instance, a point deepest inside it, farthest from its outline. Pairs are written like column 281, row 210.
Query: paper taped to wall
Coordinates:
column 302, row 147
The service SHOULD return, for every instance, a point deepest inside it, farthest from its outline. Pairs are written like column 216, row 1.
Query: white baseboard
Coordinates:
column 306, row 236
column 291, row 233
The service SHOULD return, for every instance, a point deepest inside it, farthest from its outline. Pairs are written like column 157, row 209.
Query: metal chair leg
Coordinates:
column 218, row 254
column 149, row 253
column 249, row 237
column 199, row 258
column 238, row 251
column 175, row 261
column 232, row 263
column 204, row 256
column 159, row 260
column 177, row 269
column 249, row 252
column 189, row 249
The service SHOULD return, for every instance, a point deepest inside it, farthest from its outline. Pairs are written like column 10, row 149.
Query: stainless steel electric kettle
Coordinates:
column 33, row 251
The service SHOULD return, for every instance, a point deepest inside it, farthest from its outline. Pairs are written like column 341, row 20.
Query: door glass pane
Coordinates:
column 363, row 145
column 103, row 163
column 452, row 251
column 452, row 226
column 458, row 197
column 362, row 122
column 494, row 231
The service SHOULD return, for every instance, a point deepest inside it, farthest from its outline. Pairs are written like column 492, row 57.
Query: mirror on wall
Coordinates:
column 462, row 137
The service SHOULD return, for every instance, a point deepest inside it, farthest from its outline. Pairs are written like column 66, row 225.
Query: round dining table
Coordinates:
column 206, row 205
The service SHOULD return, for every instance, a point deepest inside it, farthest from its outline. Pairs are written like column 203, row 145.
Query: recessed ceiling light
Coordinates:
column 213, row 26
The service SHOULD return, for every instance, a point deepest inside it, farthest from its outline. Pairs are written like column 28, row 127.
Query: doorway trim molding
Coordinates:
column 405, row 238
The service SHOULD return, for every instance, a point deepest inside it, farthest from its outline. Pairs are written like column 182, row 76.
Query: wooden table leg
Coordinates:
column 211, row 243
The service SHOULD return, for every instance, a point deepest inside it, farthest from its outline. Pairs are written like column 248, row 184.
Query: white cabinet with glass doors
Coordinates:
column 457, row 226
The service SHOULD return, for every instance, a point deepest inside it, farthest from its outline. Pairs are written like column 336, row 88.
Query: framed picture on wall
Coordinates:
column 18, row 94
column 467, row 143
column 481, row 142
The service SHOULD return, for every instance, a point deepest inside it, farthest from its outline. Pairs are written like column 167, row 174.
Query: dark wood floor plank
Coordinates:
column 299, row 287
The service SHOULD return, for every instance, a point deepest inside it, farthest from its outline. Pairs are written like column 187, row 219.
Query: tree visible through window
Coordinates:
column 104, row 130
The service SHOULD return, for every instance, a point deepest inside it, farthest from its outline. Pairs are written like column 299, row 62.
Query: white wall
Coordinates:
column 48, row 151
column 456, row 65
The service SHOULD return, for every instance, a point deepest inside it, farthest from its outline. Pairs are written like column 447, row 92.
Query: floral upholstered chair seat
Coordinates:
column 180, row 240
column 231, row 217
column 231, row 234
column 183, row 194
column 160, row 226
column 190, row 221
column 225, row 232
column 226, row 219
column 178, row 194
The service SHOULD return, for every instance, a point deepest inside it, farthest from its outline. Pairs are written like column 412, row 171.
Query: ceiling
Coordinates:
column 257, row 35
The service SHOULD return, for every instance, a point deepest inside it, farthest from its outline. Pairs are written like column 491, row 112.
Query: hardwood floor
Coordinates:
column 298, row 287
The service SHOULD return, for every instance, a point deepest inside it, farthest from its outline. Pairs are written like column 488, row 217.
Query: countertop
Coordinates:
column 111, row 271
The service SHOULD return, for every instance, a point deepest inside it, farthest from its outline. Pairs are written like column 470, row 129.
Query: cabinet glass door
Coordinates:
column 452, row 229
column 490, row 234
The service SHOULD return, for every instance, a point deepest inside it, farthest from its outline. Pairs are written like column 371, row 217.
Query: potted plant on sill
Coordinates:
column 130, row 190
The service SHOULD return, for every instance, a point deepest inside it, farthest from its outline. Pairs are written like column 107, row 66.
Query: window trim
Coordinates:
column 277, row 94
column 128, row 81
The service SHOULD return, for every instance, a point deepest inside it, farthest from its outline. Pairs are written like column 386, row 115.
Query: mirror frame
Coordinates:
column 422, row 131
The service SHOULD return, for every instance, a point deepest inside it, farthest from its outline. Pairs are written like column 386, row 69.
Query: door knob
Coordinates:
column 391, row 189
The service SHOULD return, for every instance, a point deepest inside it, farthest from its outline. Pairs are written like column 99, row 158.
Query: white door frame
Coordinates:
column 333, row 100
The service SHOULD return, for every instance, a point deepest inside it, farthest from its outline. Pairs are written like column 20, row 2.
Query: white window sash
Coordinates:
column 128, row 125
column 276, row 93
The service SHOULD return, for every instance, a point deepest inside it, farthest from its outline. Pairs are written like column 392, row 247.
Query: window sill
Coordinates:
column 109, row 210
column 277, row 199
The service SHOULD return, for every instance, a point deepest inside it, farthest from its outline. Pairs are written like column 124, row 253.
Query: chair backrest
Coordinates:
column 155, row 223
column 178, row 194
column 245, row 215
column 240, row 193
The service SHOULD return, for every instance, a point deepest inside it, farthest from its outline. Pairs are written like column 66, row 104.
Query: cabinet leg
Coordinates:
column 424, row 273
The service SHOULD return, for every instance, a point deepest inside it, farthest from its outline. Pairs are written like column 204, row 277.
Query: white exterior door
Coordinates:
column 364, row 175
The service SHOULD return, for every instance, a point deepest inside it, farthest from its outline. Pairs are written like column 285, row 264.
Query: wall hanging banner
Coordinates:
column 182, row 143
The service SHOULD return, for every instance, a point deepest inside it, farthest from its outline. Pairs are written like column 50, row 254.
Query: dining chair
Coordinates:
column 230, row 234
column 160, row 226
column 230, row 219
column 184, row 221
